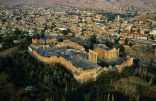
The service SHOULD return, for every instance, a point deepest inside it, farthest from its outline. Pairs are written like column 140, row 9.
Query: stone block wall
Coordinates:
column 72, row 44
column 92, row 56
column 125, row 64
column 79, row 75
column 111, row 54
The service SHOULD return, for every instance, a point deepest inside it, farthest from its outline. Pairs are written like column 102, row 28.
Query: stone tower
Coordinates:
column 92, row 56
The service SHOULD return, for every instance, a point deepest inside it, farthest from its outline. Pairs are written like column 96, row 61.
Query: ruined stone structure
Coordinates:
column 125, row 64
column 92, row 56
column 79, row 74
column 110, row 54
column 71, row 44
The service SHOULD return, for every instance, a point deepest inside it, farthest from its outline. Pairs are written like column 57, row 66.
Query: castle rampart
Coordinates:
column 111, row 54
column 125, row 64
column 78, row 73
column 70, row 43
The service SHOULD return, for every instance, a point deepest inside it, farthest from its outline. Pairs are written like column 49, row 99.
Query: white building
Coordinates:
column 153, row 32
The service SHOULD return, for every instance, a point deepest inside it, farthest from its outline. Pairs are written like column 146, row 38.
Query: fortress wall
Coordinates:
column 83, row 75
column 92, row 56
column 125, row 64
column 101, row 52
column 68, row 65
column 54, row 59
column 72, row 44
column 79, row 74
column 90, row 74
column 112, row 54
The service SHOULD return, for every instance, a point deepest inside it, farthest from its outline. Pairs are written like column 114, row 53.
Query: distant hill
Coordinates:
column 107, row 4
column 151, row 16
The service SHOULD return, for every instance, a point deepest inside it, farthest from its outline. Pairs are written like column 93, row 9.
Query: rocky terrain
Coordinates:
column 103, row 4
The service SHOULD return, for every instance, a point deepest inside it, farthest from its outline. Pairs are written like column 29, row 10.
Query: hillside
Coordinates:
column 104, row 4
column 151, row 16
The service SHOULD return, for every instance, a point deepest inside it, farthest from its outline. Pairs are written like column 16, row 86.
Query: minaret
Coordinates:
column 118, row 24
column 118, row 18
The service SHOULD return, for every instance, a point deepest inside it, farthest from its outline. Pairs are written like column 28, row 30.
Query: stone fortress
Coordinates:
column 81, row 64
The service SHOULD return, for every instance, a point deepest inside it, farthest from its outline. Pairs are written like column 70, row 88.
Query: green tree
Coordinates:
column 4, row 20
column 92, row 40
column 121, row 48
column 42, row 34
column 17, row 32
column 109, row 43
column 126, row 41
